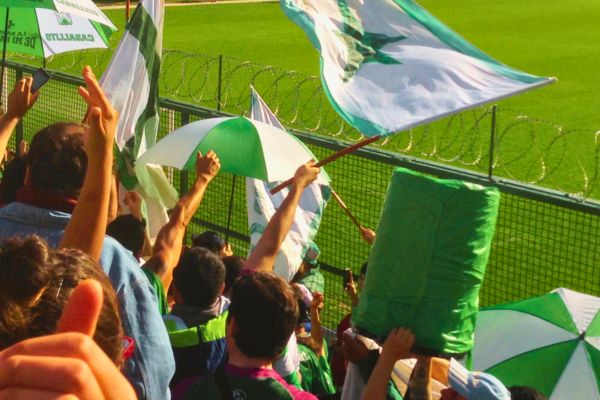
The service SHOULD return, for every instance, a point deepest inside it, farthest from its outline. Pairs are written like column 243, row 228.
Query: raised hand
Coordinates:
column 20, row 100
column 317, row 301
column 102, row 118
column 398, row 344
column 208, row 166
column 367, row 234
column 306, row 174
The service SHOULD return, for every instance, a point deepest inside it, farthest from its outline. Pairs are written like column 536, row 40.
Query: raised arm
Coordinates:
column 396, row 346
column 263, row 256
column 20, row 100
column 86, row 229
column 316, row 331
column 169, row 241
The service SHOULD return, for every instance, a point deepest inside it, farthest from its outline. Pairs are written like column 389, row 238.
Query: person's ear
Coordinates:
column 221, row 288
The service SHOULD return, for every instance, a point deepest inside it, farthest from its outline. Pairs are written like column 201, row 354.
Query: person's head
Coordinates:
column 262, row 315
column 13, row 179
column 129, row 231
column 199, row 277
column 36, row 282
column 473, row 385
column 525, row 393
column 233, row 268
column 210, row 240
column 56, row 161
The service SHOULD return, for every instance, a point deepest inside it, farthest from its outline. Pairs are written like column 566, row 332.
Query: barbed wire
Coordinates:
column 525, row 149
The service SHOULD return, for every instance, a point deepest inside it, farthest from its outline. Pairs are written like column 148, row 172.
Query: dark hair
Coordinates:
column 209, row 240
column 198, row 277
column 233, row 268
column 36, row 282
column 265, row 311
column 129, row 231
column 13, row 177
column 525, row 393
column 57, row 160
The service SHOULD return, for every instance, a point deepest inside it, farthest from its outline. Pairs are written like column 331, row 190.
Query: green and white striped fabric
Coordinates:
column 131, row 83
column 262, row 205
column 551, row 343
column 389, row 65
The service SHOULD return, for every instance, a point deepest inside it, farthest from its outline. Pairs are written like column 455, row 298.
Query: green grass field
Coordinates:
column 548, row 38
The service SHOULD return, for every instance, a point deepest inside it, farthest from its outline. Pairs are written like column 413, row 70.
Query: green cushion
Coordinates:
column 428, row 262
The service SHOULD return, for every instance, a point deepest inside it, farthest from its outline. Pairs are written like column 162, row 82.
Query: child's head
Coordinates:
column 36, row 282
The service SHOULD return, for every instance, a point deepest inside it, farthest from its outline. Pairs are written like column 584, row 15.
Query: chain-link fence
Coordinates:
column 544, row 239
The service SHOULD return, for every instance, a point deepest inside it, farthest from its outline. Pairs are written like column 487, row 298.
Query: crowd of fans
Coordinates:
column 89, row 316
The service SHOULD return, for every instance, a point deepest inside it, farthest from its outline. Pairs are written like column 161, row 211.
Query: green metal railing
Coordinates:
column 544, row 238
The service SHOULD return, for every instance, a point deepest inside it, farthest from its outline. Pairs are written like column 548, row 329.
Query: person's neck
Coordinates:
column 238, row 359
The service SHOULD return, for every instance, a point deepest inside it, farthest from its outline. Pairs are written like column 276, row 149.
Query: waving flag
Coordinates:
column 262, row 205
column 389, row 65
column 131, row 84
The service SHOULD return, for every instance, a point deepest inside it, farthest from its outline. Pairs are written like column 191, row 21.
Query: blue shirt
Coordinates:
column 152, row 365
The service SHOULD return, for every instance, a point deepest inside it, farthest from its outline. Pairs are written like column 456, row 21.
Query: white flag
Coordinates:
column 389, row 65
column 262, row 205
column 131, row 83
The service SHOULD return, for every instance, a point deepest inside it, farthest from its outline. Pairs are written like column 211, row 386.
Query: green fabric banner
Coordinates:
column 428, row 262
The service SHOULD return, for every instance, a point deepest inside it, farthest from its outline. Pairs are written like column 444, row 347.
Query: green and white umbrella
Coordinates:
column 46, row 27
column 42, row 32
column 83, row 8
column 551, row 342
column 244, row 146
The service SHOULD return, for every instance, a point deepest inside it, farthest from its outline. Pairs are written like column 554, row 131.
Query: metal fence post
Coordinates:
column 219, row 82
column 183, row 175
column 19, row 128
column 492, row 142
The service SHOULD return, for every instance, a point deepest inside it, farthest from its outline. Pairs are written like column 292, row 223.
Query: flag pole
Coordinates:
column 330, row 159
column 4, row 53
column 341, row 203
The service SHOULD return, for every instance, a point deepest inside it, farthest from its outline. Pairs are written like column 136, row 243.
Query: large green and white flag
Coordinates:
column 131, row 83
column 262, row 205
column 389, row 65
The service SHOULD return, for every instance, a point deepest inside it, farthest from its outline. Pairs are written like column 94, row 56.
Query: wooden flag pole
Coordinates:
column 330, row 159
column 341, row 203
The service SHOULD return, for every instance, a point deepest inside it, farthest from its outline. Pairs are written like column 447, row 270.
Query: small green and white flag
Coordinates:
column 262, row 205
column 131, row 83
column 389, row 65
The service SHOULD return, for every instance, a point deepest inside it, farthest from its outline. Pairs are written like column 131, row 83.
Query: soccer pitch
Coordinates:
column 547, row 38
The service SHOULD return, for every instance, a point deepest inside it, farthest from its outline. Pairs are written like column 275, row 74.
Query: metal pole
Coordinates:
column 231, row 198
column 492, row 143
column 219, row 82
column 19, row 129
column 4, row 52
column 184, row 175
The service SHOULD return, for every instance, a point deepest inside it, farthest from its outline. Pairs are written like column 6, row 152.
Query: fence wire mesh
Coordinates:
column 539, row 244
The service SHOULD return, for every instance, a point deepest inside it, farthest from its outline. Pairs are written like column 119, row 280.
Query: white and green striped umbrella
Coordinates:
column 244, row 146
column 83, row 8
column 42, row 32
column 551, row 342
